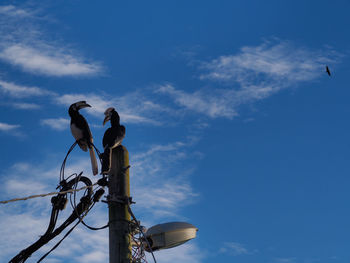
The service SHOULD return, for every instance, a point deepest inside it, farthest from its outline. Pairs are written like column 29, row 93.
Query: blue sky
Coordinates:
column 232, row 123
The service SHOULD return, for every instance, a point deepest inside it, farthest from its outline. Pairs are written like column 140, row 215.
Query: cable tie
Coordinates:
column 62, row 184
column 102, row 182
column 121, row 199
column 98, row 194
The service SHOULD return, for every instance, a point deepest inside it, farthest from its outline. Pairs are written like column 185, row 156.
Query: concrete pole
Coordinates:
column 119, row 217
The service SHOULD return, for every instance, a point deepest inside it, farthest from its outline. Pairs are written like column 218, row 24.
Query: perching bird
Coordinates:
column 81, row 132
column 112, row 138
column 327, row 70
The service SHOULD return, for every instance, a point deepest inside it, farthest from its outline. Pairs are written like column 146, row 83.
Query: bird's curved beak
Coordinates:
column 83, row 105
column 107, row 118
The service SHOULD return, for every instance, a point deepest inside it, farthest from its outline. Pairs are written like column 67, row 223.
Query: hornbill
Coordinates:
column 81, row 132
column 112, row 138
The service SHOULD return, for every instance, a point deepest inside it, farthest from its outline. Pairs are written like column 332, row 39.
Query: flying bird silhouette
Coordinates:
column 81, row 132
column 327, row 70
column 112, row 138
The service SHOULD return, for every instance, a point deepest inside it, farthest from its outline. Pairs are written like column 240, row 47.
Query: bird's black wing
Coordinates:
column 85, row 127
column 122, row 131
column 107, row 140
column 113, row 136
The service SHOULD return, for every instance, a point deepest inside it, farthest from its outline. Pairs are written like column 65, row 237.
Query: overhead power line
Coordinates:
column 48, row 194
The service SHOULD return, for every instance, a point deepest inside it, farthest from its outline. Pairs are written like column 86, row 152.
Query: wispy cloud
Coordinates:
column 99, row 103
column 187, row 253
column 169, row 194
column 20, row 91
column 24, row 187
column 50, row 61
column 235, row 249
column 8, row 127
column 253, row 74
column 18, row 235
column 26, row 106
column 34, row 214
column 272, row 60
column 132, row 108
column 210, row 103
column 12, row 11
column 160, row 179
column 285, row 260
column 58, row 124
column 26, row 47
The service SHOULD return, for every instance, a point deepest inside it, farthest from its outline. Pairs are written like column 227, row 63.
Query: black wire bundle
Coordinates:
column 97, row 195
column 51, row 232
column 80, row 210
column 63, row 181
column 64, row 163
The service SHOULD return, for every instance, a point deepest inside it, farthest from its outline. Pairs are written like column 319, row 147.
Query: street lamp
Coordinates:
column 168, row 235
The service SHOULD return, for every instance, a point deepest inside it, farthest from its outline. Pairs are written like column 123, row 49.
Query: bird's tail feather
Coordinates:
column 93, row 161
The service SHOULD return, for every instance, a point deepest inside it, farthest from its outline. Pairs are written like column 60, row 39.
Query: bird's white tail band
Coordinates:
column 93, row 161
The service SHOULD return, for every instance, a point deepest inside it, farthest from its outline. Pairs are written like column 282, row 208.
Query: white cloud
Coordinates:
column 235, row 249
column 186, row 253
column 213, row 104
column 159, row 178
column 27, row 179
column 50, row 61
column 26, row 106
column 58, row 124
column 94, row 257
column 19, row 235
column 278, row 60
column 19, row 91
column 25, row 46
column 160, row 148
column 253, row 74
column 169, row 196
column 34, row 214
column 8, row 127
column 24, row 187
column 34, row 221
column 130, row 107
column 99, row 103
column 285, row 260
column 12, row 11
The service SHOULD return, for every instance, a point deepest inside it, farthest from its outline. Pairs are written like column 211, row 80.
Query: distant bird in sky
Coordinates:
column 327, row 70
column 112, row 138
column 81, row 132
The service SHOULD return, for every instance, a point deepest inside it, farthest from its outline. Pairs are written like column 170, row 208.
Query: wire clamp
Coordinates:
column 103, row 181
column 126, row 200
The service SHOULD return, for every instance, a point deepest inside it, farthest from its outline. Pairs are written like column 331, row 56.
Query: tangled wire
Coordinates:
column 69, row 186
column 80, row 210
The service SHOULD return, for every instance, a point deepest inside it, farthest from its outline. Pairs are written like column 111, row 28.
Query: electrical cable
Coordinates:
column 50, row 233
column 62, row 179
column 65, row 160
column 68, row 232
column 73, row 204
column 58, row 203
column 140, row 229
column 48, row 194
column 52, row 249
column 96, row 198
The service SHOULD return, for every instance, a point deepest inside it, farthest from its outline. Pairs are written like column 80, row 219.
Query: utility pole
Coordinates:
column 118, row 198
